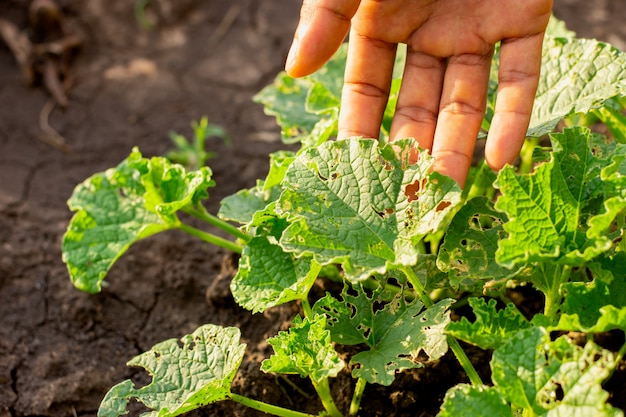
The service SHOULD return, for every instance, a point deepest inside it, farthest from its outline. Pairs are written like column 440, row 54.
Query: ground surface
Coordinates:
column 60, row 349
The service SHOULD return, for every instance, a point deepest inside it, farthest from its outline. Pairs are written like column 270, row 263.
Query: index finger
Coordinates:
column 323, row 26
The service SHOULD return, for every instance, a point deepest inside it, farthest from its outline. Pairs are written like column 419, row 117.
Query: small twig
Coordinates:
column 20, row 46
column 52, row 81
column 226, row 23
column 51, row 136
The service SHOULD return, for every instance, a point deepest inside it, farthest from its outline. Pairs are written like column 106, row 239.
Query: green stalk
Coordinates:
column 323, row 391
column 482, row 184
column 355, row 404
column 553, row 296
column 526, row 155
column 210, row 238
column 306, row 307
column 219, row 223
column 267, row 408
column 452, row 342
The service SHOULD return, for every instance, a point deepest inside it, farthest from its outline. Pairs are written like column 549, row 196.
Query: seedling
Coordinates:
column 192, row 154
column 396, row 234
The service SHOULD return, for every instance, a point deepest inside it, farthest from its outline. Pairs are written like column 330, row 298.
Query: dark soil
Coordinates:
column 61, row 349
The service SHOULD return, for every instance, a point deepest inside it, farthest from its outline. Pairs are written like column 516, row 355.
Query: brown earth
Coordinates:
column 61, row 349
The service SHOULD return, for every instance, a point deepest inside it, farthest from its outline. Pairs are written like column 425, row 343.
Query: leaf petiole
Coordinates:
column 211, row 238
column 203, row 215
column 323, row 391
column 355, row 404
column 452, row 342
column 267, row 408
column 553, row 295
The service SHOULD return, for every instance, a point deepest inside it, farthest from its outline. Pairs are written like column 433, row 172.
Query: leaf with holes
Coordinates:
column 358, row 203
column 188, row 374
column 553, row 378
column 396, row 331
column 470, row 244
column 492, row 327
column 118, row 207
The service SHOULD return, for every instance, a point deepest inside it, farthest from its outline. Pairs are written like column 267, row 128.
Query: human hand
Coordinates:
column 450, row 44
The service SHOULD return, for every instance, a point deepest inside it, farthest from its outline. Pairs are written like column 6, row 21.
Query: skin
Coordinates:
column 450, row 44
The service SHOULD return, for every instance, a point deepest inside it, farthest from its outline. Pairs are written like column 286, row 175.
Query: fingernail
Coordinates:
column 293, row 54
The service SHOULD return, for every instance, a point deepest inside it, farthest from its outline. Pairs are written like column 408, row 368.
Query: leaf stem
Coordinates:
column 355, row 404
column 526, row 155
column 452, row 342
column 553, row 296
column 323, row 391
column 211, row 238
column 203, row 215
column 306, row 307
column 267, row 408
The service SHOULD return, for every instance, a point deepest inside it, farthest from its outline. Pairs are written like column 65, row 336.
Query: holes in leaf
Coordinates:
column 384, row 213
column 385, row 164
column 558, row 392
column 412, row 190
column 442, row 206
column 377, row 306
column 334, row 175
column 483, row 222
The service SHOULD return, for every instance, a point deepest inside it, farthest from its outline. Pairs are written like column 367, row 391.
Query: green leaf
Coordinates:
column 491, row 328
column 285, row 99
column 474, row 401
column 548, row 209
column 553, row 378
column 305, row 350
column 612, row 115
column 244, row 205
column 355, row 203
column 186, row 374
column 599, row 305
column 279, row 162
column 395, row 332
column 470, row 243
column 268, row 277
column 557, row 29
column 576, row 76
column 118, row 207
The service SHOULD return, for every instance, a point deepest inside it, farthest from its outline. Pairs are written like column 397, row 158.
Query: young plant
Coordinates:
column 397, row 235
column 193, row 154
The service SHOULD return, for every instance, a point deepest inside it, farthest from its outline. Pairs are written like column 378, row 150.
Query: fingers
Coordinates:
column 418, row 99
column 323, row 26
column 369, row 70
column 460, row 114
column 520, row 65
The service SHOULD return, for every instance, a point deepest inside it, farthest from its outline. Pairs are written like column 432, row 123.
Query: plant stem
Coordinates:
column 219, row 223
column 553, row 296
column 267, row 408
column 323, row 391
column 210, row 238
column 452, row 342
column 306, row 307
column 526, row 155
column 355, row 404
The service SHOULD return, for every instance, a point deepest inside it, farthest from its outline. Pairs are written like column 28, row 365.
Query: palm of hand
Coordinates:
column 443, row 93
